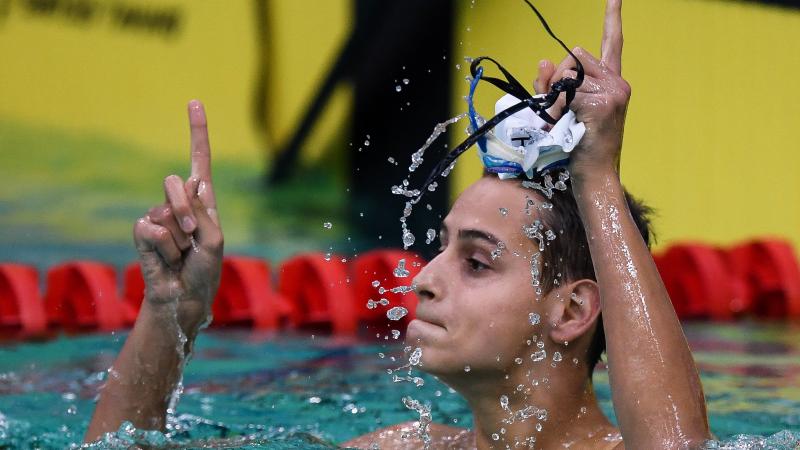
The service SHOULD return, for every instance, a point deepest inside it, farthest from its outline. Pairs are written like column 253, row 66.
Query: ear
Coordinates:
column 577, row 313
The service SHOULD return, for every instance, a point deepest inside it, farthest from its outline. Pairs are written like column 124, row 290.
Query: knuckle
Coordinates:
column 172, row 178
column 159, row 212
column 216, row 241
column 625, row 87
column 162, row 235
column 140, row 226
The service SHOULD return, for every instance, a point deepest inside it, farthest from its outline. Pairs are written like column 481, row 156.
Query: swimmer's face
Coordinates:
column 472, row 308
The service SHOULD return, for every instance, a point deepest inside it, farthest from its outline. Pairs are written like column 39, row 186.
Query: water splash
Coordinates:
column 548, row 186
column 417, row 159
column 400, row 271
column 430, row 235
column 498, row 250
column 424, row 419
column 396, row 313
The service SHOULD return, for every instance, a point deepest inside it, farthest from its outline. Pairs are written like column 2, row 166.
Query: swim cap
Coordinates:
column 520, row 143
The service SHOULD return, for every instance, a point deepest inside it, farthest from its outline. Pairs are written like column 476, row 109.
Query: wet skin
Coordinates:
column 474, row 311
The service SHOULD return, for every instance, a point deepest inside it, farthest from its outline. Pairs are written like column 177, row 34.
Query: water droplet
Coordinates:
column 327, row 256
column 406, row 80
column 534, row 318
column 327, row 225
column 467, row 368
column 503, row 211
column 430, row 235
column 376, row 283
column 398, row 88
column 396, row 313
column 415, row 357
column 458, row 66
column 400, row 271
column 408, row 239
column 390, row 159
column 549, row 235
column 495, row 437
column 518, row 360
column 538, row 356
column 557, row 356
column 395, row 334
column 371, row 304
column 366, row 143
column 314, row 400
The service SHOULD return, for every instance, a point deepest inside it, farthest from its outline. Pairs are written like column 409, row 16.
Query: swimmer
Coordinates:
column 530, row 353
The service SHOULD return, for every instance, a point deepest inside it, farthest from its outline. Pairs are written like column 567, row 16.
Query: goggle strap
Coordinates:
column 469, row 142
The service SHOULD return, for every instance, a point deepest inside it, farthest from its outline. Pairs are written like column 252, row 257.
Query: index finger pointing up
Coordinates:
column 611, row 48
column 201, row 150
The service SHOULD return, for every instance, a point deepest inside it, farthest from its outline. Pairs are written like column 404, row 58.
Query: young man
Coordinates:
column 521, row 357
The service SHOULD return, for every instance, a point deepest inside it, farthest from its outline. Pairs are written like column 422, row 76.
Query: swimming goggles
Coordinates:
column 515, row 141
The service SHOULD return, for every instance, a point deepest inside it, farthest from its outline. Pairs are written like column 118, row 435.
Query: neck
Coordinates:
column 557, row 406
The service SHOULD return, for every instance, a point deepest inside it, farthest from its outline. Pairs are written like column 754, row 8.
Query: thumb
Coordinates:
column 208, row 232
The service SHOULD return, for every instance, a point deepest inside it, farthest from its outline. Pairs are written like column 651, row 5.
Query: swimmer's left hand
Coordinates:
column 601, row 101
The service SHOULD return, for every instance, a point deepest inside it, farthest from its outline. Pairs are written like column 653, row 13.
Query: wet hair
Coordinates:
column 567, row 258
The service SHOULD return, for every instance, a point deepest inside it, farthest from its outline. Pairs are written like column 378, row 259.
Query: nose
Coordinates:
column 427, row 284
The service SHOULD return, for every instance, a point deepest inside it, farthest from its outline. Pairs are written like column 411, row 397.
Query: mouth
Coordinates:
column 430, row 321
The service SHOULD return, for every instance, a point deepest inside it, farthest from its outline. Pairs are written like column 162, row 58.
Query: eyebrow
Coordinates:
column 473, row 234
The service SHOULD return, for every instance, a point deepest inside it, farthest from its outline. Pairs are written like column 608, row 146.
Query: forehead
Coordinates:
column 497, row 207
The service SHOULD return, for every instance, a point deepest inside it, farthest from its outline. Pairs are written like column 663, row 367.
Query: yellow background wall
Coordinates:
column 94, row 76
column 710, row 140
column 711, row 137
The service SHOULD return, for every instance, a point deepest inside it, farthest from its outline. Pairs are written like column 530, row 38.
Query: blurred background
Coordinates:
column 315, row 108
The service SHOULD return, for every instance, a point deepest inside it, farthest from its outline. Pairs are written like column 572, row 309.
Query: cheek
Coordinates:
column 497, row 324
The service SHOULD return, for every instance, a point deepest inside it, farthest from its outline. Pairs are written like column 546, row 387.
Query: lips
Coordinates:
column 429, row 319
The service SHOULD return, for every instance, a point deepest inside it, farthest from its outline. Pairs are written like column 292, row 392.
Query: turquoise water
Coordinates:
column 257, row 391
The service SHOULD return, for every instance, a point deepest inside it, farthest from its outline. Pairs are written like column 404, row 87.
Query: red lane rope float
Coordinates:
column 379, row 265
column 83, row 294
column 246, row 295
column 698, row 281
column 21, row 307
column 319, row 292
column 132, row 291
column 771, row 272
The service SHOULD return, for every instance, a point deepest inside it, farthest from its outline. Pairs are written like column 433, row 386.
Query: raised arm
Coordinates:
column 656, row 390
column 180, row 253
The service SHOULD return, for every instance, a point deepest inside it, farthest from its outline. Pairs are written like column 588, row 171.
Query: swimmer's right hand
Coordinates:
column 180, row 242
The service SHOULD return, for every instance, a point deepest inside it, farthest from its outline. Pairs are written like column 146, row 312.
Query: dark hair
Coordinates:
column 567, row 258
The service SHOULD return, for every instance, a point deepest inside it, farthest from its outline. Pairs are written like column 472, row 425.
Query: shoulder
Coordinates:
column 404, row 436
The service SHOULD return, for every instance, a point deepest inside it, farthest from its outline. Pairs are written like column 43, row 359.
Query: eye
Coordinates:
column 475, row 265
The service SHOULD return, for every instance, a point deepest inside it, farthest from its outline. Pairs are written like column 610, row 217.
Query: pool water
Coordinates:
column 305, row 391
